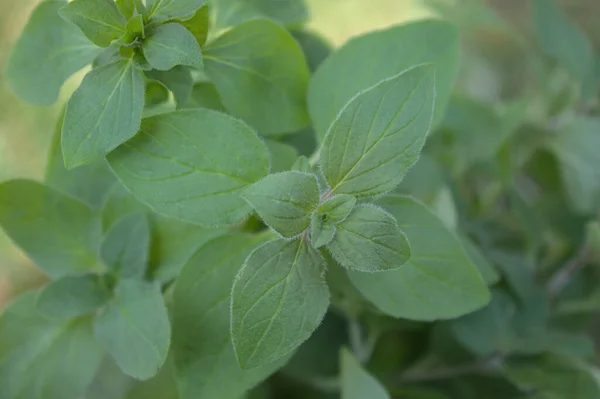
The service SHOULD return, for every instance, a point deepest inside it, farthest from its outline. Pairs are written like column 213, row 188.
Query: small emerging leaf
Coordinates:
column 169, row 45
column 126, row 246
column 279, row 298
column 369, row 240
column 70, row 297
column 104, row 111
column 379, row 134
column 357, row 383
column 135, row 328
column 321, row 232
column 285, row 201
column 48, row 51
column 99, row 20
column 337, row 208
column 302, row 164
column 135, row 26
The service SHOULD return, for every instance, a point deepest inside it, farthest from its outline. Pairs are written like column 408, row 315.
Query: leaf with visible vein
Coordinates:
column 135, row 328
column 285, row 201
column 99, row 20
column 261, row 75
column 438, row 281
column 279, row 298
column 369, row 240
column 181, row 167
column 166, row 10
column 126, row 246
column 104, row 111
column 204, row 357
column 379, row 134
column 169, row 45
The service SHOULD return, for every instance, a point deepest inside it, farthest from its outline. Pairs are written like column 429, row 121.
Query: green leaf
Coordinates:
column 438, row 281
column 104, row 111
column 43, row 358
column 135, row 26
column 279, row 298
column 357, row 383
column 127, row 7
column 166, row 10
column 576, row 148
column 99, row 20
column 261, row 75
column 198, row 25
column 161, row 386
column 302, row 164
column 316, row 49
column 135, row 328
column 561, row 39
column 379, row 134
column 399, row 48
column 337, row 208
column 173, row 241
column 90, row 183
column 206, row 366
column 59, row 233
column 48, row 51
column 285, row 201
column 228, row 13
column 555, row 377
column 126, row 246
column 181, row 169
column 156, row 93
column 488, row 330
column 321, row 231
column 178, row 80
column 282, row 155
column 487, row 271
column 70, row 297
column 205, row 95
column 169, row 45
column 369, row 240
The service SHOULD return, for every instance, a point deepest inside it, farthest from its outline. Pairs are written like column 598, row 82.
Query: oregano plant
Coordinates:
column 234, row 209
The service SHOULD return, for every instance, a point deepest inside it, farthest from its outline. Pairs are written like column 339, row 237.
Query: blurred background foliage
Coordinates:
column 496, row 69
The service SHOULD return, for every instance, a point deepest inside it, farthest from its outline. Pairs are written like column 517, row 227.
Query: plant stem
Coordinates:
column 561, row 278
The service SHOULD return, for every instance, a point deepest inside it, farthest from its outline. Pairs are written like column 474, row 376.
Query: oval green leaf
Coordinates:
column 169, row 45
column 285, row 201
column 192, row 165
column 396, row 49
column 99, row 20
column 135, row 328
column 126, row 246
column 438, row 281
column 266, row 89
column 279, row 298
column 103, row 112
column 379, row 134
column 369, row 240
column 205, row 361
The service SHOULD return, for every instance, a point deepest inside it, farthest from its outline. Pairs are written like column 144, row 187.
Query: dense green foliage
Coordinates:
column 234, row 210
